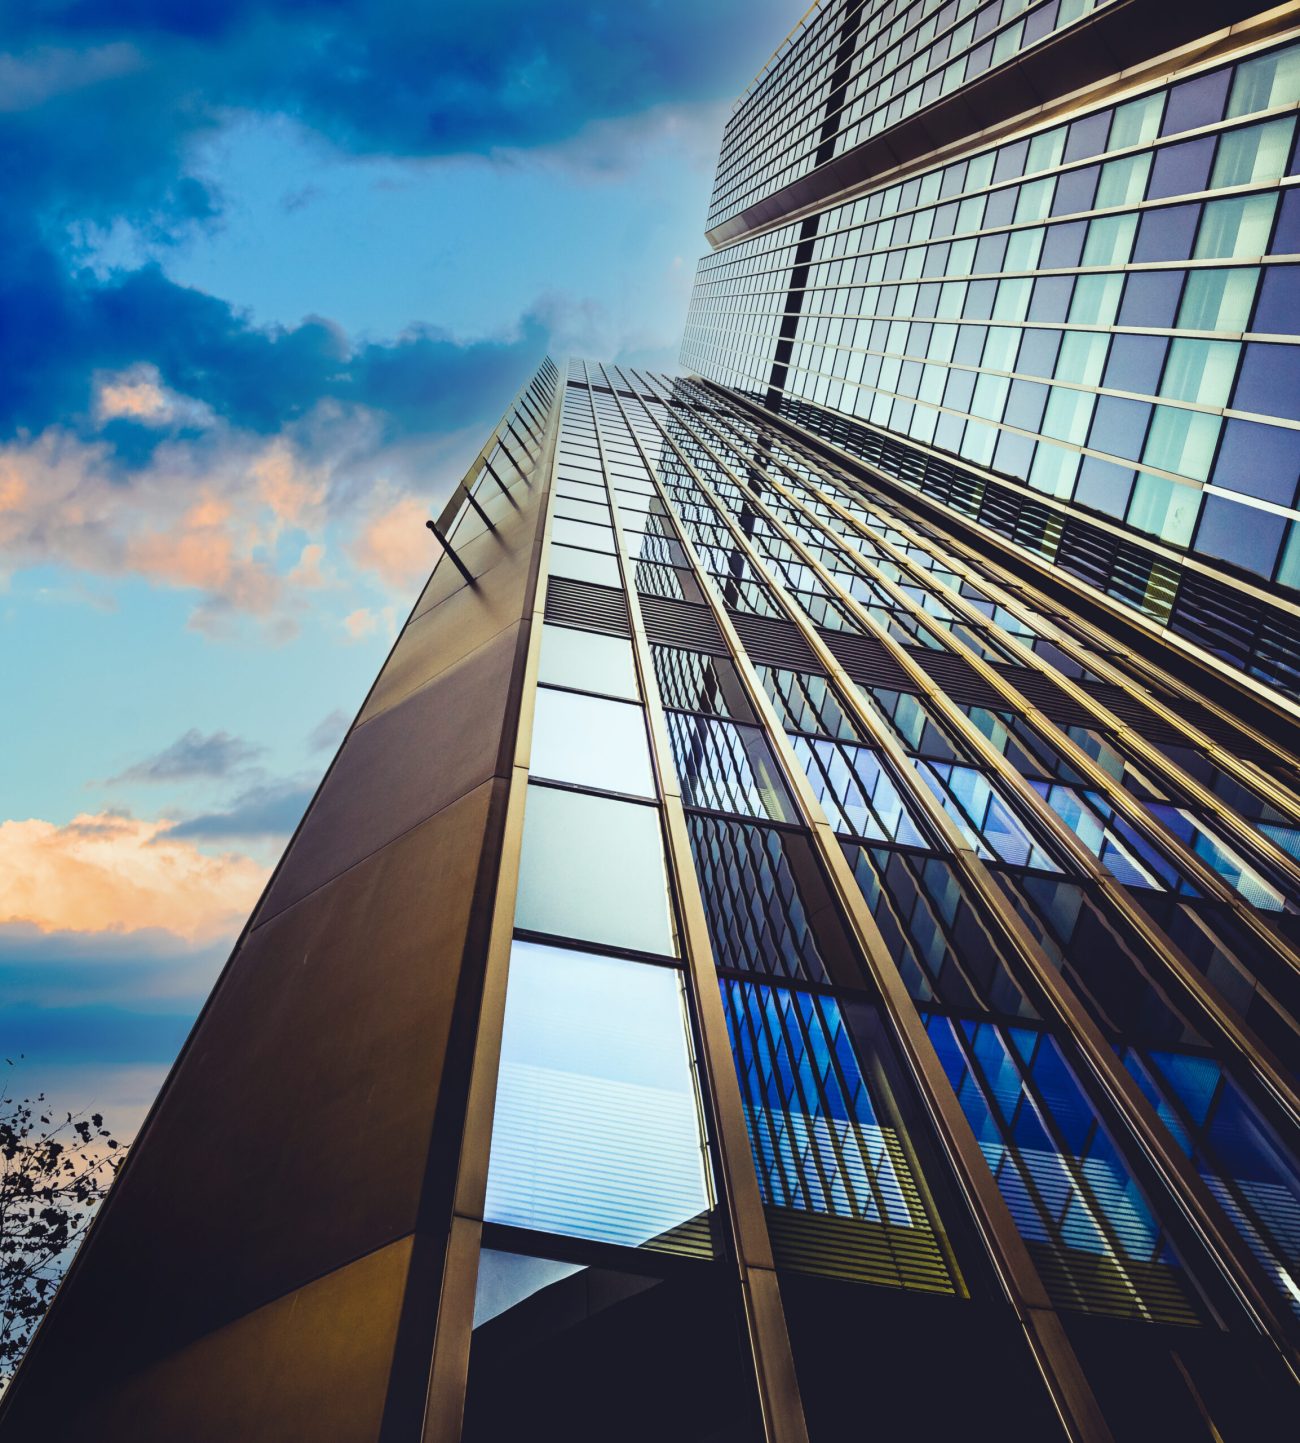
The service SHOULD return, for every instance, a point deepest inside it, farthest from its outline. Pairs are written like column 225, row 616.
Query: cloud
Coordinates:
column 113, row 873
column 366, row 621
column 329, row 732
column 147, row 966
column 396, row 545
column 270, row 809
column 194, row 755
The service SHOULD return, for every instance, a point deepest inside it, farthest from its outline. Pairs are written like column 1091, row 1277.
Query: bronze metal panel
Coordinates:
column 294, row 1134
column 437, row 639
column 400, row 768
column 497, row 560
column 313, row 1364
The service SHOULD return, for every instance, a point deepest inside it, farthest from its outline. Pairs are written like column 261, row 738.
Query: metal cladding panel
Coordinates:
column 298, row 1137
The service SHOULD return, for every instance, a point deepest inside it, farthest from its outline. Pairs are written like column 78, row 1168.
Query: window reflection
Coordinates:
column 591, row 742
column 592, row 868
column 725, row 767
column 587, row 661
column 596, row 1128
column 1097, row 1245
column 839, row 1188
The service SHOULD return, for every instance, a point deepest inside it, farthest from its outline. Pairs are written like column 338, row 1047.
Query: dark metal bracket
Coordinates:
column 450, row 550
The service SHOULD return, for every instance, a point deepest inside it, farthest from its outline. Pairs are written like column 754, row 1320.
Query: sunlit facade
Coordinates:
column 802, row 940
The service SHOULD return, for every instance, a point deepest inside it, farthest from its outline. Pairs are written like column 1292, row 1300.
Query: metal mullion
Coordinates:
column 449, row 1363
column 1184, row 561
column 1183, row 1184
column 1054, row 1355
column 778, row 1385
column 1257, row 1057
column 1148, row 753
column 1152, row 758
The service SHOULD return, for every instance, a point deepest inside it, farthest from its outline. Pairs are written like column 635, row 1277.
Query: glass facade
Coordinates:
column 835, row 828
column 868, row 979
column 1096, row 319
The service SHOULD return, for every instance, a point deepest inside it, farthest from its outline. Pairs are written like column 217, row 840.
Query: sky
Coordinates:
column 270, row 272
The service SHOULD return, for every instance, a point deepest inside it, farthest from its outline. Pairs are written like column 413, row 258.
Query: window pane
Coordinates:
column 591, row 742
column 593, row 868
column 595, row 1132
column 587, row 661
column 856, row 793
column 823, row 1149
column 581, row 533
column 584, row 566
column 727, row 768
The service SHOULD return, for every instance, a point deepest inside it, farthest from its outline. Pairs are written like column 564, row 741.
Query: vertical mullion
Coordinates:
column 1181, row 1180
column 1071, row 1394
column 449, row 1365
column 778, row 1387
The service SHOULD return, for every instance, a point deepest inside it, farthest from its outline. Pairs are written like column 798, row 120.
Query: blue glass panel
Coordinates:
column 1119, row 426
column 1135, row 363
column 1278, row 309
column 1151, row 298
column 1182, row 169
column 1098, row 1246
column 983, row 817
column 1270, row 381
column 1087, row 136
column 1200, row 838
column 1259, row 460
column 1196, row 102
column 596, row 1130
column 1108, row 837
column 1167, row 234
column 856, row 792
column 822, row 1149
column 1239, row 1157
column 1244, row 535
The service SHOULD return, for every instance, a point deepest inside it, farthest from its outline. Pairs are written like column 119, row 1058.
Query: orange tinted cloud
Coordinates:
column 112, row 873
column 397, row 545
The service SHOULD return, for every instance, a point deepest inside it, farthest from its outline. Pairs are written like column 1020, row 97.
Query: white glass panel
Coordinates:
column 588, row 661
column 584, row 566
column 596, row 1130
column 591, row 742
column 593, row 868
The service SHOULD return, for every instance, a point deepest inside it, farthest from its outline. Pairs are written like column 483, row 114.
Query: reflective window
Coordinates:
column 982, row 816
column 591, row 742
column 857, row 794
column 596, row 1128
column 725, row 767
column 1096, row 1242
column 695, row 681
column 593, row 869
column 1235, row 1151
column 587, row 661
column 821, row 1147
column 761, row 888
column 584, row 566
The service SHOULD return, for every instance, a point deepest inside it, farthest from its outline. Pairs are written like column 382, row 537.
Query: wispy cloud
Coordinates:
column 269, row 809
column 217, row 754
column 329, row 731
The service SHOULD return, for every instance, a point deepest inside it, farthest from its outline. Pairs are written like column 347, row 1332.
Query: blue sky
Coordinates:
column 270, row 271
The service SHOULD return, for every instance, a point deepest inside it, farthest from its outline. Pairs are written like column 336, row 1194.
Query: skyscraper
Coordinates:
column 801, row 940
